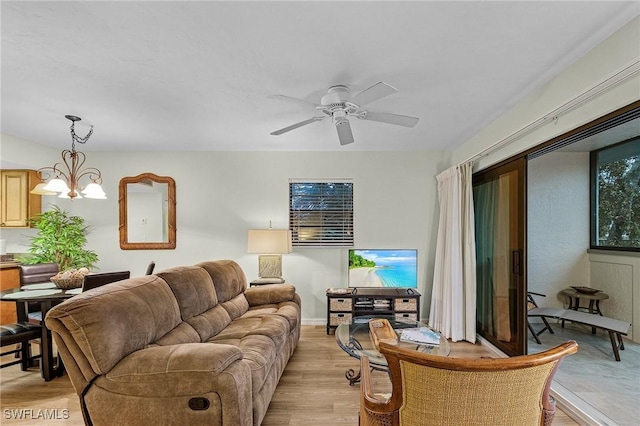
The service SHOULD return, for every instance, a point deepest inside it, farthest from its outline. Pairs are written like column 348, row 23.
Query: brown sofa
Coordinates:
column 189, row 345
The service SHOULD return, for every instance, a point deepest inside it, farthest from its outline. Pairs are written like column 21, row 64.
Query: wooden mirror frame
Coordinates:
column 122, row 201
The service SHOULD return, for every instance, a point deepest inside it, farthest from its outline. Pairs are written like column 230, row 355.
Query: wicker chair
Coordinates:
column 436, row 390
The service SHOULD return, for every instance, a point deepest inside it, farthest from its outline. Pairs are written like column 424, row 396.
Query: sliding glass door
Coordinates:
column 499, row 200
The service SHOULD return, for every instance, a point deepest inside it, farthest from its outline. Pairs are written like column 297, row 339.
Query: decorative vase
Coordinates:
column 71, row 278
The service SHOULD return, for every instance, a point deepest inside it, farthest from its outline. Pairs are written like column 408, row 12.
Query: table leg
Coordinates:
column 598, row 311
column 49, row 370
column 352, row 376
column 592, row 311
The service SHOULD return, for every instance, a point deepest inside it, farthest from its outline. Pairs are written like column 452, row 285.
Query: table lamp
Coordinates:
column 270, row 244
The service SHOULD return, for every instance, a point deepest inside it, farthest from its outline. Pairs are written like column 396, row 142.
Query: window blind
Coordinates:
column 321, row 213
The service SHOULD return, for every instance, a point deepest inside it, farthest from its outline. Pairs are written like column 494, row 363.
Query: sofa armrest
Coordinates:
column 173, row 374
column 269, row 294
column 183, row 366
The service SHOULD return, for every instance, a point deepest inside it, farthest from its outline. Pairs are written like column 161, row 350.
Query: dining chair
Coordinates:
column 438, row 390
column 21, row 334
column 92, row 281
column 150, row 268
column 36, row 274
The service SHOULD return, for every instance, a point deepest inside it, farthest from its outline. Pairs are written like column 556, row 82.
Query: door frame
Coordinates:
column 517, row 316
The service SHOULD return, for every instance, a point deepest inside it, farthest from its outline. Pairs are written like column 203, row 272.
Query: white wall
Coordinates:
column 220, row 195
column 618, row 275
column 557, row 224
column 615, row 54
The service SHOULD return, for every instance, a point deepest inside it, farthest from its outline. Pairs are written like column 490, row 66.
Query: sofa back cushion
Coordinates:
column 228, row 278
column 193, row 289
column 108, row 323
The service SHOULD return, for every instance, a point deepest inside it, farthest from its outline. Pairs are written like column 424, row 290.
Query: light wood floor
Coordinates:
column 311, row 392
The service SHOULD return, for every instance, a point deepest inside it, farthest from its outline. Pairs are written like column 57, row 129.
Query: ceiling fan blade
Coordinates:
column 344, row 132
column 385, row 117
column 293, row 100
column 295, row 126
column 373, row 93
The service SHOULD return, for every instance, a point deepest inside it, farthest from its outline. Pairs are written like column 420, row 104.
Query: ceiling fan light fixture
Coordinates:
column 338, row 104
column 336, row 94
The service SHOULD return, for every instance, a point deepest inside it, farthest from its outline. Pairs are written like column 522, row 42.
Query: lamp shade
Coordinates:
column 57, row 185
column 269, row 241
column 39, row 190
column 94, row 190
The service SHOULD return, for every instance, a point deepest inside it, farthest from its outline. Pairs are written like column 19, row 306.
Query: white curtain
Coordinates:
column 453, row 299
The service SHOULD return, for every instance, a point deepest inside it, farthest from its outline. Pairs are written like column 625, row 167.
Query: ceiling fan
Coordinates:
column 339, row 104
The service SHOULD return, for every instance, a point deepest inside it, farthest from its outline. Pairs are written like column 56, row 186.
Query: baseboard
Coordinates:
column 489, row 346
column 314, row 321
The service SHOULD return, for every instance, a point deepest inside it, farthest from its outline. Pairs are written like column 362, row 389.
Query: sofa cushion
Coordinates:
column 237, row 306
column 288, row 310
column 272, row 326
column 193, row 289
column 228, row 278
column 211, row 322
column 258, row 352
column 111, row 322
column 183, row 333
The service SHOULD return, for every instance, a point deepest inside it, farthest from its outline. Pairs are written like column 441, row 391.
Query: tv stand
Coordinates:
column 344, row 305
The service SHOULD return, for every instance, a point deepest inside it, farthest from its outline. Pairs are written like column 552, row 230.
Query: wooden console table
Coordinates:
column 344, row 305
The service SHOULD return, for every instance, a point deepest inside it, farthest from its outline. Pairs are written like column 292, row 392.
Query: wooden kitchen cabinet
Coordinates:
column 9, row 278
column 17, row 205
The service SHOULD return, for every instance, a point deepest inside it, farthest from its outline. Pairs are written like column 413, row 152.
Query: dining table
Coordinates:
column 46, row 295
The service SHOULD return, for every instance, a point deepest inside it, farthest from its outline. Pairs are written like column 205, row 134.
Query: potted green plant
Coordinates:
column 61, row 239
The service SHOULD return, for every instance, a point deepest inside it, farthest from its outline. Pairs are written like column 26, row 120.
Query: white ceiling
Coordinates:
column 196, row 76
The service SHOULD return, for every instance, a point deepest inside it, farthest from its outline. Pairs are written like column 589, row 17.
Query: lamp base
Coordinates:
column 270, row 266
column 265, row 281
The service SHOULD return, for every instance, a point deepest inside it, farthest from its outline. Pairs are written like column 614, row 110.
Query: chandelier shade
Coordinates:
column 39, row 189
column 57, row 185
column 64, row 178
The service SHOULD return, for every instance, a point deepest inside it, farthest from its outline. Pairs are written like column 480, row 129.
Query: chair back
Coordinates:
column 437, row 390
column 38, row 273
column 92, row 281
column 150, row 268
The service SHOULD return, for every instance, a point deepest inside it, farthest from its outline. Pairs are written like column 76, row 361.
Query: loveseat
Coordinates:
column 189, row 345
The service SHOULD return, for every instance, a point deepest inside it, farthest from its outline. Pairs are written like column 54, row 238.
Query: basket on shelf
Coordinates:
column 71, row 278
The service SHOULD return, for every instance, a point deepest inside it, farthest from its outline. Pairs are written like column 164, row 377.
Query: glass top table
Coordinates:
column 354, row 338
column 46, row 294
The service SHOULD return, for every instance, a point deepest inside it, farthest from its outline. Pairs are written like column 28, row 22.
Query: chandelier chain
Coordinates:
column 75, row 138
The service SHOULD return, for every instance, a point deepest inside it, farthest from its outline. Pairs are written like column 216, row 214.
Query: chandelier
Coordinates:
column 67, row 175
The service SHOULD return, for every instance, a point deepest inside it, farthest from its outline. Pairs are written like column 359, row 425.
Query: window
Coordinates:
column 615, row 199
column 321, row 213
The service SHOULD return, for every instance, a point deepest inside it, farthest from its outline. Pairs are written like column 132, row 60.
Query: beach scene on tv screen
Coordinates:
column 383, row 268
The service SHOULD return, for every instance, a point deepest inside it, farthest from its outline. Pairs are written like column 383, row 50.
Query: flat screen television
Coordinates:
column 383, row 268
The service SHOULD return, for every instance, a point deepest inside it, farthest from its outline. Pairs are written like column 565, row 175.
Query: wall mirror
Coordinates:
column 147, row 212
